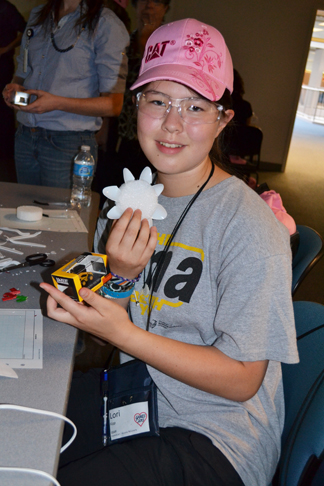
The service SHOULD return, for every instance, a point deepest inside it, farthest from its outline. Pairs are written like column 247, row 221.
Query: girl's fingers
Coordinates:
column 146, row 242
column 142, row 236
column 102, row 317
column 125, row 234
column 104, row 307
column 130, row 244
column 71, row 311
column 119, row 228
column 132, row 231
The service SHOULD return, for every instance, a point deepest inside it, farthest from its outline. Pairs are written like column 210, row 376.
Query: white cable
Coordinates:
column 37, row 472
column 20, row 408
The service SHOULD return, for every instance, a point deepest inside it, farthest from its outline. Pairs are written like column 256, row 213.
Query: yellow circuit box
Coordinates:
column 87, row 270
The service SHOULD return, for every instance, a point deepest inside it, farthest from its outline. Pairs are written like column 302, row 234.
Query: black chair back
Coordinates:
column 246, row 142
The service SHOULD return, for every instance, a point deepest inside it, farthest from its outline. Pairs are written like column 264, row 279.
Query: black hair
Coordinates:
column 165, row 2
column 217, row 153
column 238, row 86
column 90, row 12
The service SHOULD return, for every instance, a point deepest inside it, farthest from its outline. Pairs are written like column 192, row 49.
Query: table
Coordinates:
column 28, row 440
column 13, row 195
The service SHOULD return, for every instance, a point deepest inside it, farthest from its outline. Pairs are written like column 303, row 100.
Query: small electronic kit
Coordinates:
column 87, row 270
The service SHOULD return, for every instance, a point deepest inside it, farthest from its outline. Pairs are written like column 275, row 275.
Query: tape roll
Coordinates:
column 29, row 213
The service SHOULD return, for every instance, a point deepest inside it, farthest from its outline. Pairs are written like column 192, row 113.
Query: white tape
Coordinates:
column 29, row 213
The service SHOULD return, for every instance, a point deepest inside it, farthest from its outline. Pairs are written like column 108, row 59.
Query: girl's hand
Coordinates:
column 44, row 103
column 8, row 91
column 102, row 317
column 131, row 244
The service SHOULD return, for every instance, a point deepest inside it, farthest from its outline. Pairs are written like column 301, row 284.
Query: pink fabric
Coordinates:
column 235, row 159
column 252, row 183
column 122, row 3
column 273, row 199
column 191, row 53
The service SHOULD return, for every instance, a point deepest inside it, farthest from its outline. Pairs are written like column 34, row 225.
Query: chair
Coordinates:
column 309, row 252
column 246, row 142
column 301, row 462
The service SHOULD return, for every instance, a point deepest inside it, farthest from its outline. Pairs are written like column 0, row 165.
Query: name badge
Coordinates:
column 129, row 420
column 129, row 403
column 29, row 34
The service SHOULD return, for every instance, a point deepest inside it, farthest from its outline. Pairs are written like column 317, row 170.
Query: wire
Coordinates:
column 37, row 472
column 20, row 408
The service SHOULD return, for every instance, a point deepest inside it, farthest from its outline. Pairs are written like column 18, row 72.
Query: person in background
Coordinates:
column 242, row 108
column 119, row 8
column 149, row 15
column 12, row 25
column 208, row 294
column 107, row 135
column 73, row 64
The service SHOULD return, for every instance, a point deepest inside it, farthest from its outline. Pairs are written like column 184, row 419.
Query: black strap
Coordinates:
column 155, row 274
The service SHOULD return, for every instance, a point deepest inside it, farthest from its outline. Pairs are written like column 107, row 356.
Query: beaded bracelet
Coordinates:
column 117, row 289
column 127, row 279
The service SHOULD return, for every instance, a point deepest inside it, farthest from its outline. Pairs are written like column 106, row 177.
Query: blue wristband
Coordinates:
column 115, row 294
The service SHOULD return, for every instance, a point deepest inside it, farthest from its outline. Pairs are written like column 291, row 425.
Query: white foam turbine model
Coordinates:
column 136, row 194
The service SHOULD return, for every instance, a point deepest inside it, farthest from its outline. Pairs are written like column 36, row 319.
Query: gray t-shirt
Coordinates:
column 226, row 283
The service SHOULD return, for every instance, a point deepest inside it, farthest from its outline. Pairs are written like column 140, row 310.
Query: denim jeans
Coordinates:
column 45, row 157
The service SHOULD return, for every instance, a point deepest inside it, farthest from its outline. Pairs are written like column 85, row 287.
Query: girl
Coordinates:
column 72, row 58
column 211, row 314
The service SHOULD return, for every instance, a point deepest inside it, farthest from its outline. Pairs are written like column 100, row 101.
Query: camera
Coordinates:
column 20, row 98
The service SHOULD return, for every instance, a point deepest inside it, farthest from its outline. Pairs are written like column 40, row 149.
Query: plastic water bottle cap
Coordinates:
column 85, row 147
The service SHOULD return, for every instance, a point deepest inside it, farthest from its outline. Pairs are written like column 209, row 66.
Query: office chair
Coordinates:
column 301, row 462
column 310, row 250
column 245, row 141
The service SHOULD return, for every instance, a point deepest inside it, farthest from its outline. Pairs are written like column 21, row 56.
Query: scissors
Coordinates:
column 31, row 260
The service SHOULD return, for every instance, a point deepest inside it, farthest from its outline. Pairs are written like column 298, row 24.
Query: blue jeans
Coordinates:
column 45, row 157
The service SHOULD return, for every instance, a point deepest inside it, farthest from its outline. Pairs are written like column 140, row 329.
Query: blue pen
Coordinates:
column 104, row 391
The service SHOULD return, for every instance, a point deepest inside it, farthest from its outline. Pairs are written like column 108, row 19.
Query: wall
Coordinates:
column 269, row 42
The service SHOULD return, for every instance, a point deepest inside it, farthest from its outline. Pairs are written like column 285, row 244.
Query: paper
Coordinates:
column 21, row 343
column 6, row 371
column 60, row 220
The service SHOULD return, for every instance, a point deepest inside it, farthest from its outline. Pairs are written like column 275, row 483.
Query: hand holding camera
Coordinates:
column 19, row 98
column 9, row 95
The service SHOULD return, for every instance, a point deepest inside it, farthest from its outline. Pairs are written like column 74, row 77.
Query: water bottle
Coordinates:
column 82, row 178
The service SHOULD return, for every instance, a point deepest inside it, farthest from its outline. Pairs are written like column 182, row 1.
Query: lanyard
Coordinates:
column 155, row 274
column 67, row 49
column 29, row 33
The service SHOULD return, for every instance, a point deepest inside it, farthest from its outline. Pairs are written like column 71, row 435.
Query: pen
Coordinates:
column 62, row 216
column 104, row 391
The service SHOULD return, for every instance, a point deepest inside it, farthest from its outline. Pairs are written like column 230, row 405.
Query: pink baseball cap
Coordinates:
column 191, row 53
